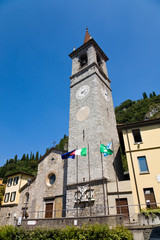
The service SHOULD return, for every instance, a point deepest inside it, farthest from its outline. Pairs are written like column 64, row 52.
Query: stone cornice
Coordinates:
column 84, row 69
column 91, row 182
column 143, row 149
column 9, row 205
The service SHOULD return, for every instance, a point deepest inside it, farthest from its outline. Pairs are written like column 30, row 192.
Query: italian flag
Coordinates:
column 81, row 152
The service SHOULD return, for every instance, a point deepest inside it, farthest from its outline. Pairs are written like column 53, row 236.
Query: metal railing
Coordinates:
column 90, row 211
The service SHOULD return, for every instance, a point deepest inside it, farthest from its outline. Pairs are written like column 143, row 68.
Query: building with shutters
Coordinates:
column 140, row 142
column 14, row 183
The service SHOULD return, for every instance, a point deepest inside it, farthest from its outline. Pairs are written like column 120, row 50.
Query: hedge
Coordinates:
column 85, row 232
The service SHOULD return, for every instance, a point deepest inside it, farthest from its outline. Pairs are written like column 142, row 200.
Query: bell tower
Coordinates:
column 92, row 122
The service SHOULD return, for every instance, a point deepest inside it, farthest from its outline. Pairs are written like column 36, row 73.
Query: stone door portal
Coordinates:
column 49, row 210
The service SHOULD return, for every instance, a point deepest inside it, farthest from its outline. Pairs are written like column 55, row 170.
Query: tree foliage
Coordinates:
column 26, row 164
column 133, row 111
column 63, row 144
column 2, row 191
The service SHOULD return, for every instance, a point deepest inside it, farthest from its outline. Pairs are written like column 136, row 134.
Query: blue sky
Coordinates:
column 35, row 40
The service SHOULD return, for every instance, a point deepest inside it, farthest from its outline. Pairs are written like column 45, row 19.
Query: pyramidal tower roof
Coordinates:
column 87, row 36
column 88, row 40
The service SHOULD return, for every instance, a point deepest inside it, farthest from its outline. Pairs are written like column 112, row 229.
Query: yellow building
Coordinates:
column 14, row 183
column 141, row 143
column 2, row 188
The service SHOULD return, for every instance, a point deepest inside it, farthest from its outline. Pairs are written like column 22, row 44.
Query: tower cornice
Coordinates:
column 84, row 69
column 90, row 42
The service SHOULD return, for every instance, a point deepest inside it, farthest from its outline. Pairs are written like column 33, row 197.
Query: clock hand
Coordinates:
column 83, row 91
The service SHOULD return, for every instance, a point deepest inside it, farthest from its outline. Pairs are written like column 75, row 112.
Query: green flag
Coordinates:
column 106, row 149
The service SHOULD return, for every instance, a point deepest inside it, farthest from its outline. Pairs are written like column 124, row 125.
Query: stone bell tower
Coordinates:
column 92, row 122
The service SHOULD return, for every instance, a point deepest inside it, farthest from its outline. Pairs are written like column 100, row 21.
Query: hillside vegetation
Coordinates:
column 128, row 111
column 133, row 111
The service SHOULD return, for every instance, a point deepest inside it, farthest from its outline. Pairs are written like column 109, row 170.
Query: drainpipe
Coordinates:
column 134, row 175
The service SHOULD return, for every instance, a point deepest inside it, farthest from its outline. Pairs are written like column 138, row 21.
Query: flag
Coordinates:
column 80, row 152
column 69, row 154
column 106, row 150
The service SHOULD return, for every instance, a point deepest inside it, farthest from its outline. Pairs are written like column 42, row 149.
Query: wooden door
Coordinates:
column 150, row 198
column 122, row 208
column 49, row 210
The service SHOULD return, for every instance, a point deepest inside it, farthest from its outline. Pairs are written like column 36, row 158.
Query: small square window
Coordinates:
column 6, row 197
column 143, row 164
column 15, row 182
column 137, row 136
column 10, row 180
column 13, row 196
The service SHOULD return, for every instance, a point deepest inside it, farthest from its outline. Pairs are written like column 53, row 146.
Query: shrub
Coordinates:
column 86, row 232
column 150, row 212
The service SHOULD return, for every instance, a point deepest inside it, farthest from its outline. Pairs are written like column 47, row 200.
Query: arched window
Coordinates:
column 83, row 59
column 99, row 61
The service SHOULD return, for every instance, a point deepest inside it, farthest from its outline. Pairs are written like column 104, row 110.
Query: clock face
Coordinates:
column 82, row 92
column 105, row 94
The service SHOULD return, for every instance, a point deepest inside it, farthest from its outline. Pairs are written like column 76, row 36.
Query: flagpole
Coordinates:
column 89, row 175
column 77, row 178
column 116, row 175
column 103, row 184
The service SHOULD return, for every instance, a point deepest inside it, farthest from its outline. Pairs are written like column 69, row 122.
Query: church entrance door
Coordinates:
column 49, row 210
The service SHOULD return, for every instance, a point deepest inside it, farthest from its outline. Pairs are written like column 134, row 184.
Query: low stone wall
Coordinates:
column 144, row 220
column 8, row 215
column 63, row 222
column 145, row 232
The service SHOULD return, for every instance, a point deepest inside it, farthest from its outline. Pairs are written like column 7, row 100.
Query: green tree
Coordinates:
column 47, row 149
column 37, row 156
column 154, row 94
column 150, row 95
column 145, row 95
column 23, row 157
column 15, row 158
column 63, row 144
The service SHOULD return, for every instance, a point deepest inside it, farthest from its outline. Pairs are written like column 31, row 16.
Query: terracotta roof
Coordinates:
column 87, row 36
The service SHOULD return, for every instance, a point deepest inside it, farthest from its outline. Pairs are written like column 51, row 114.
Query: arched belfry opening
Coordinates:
column 83, row 59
